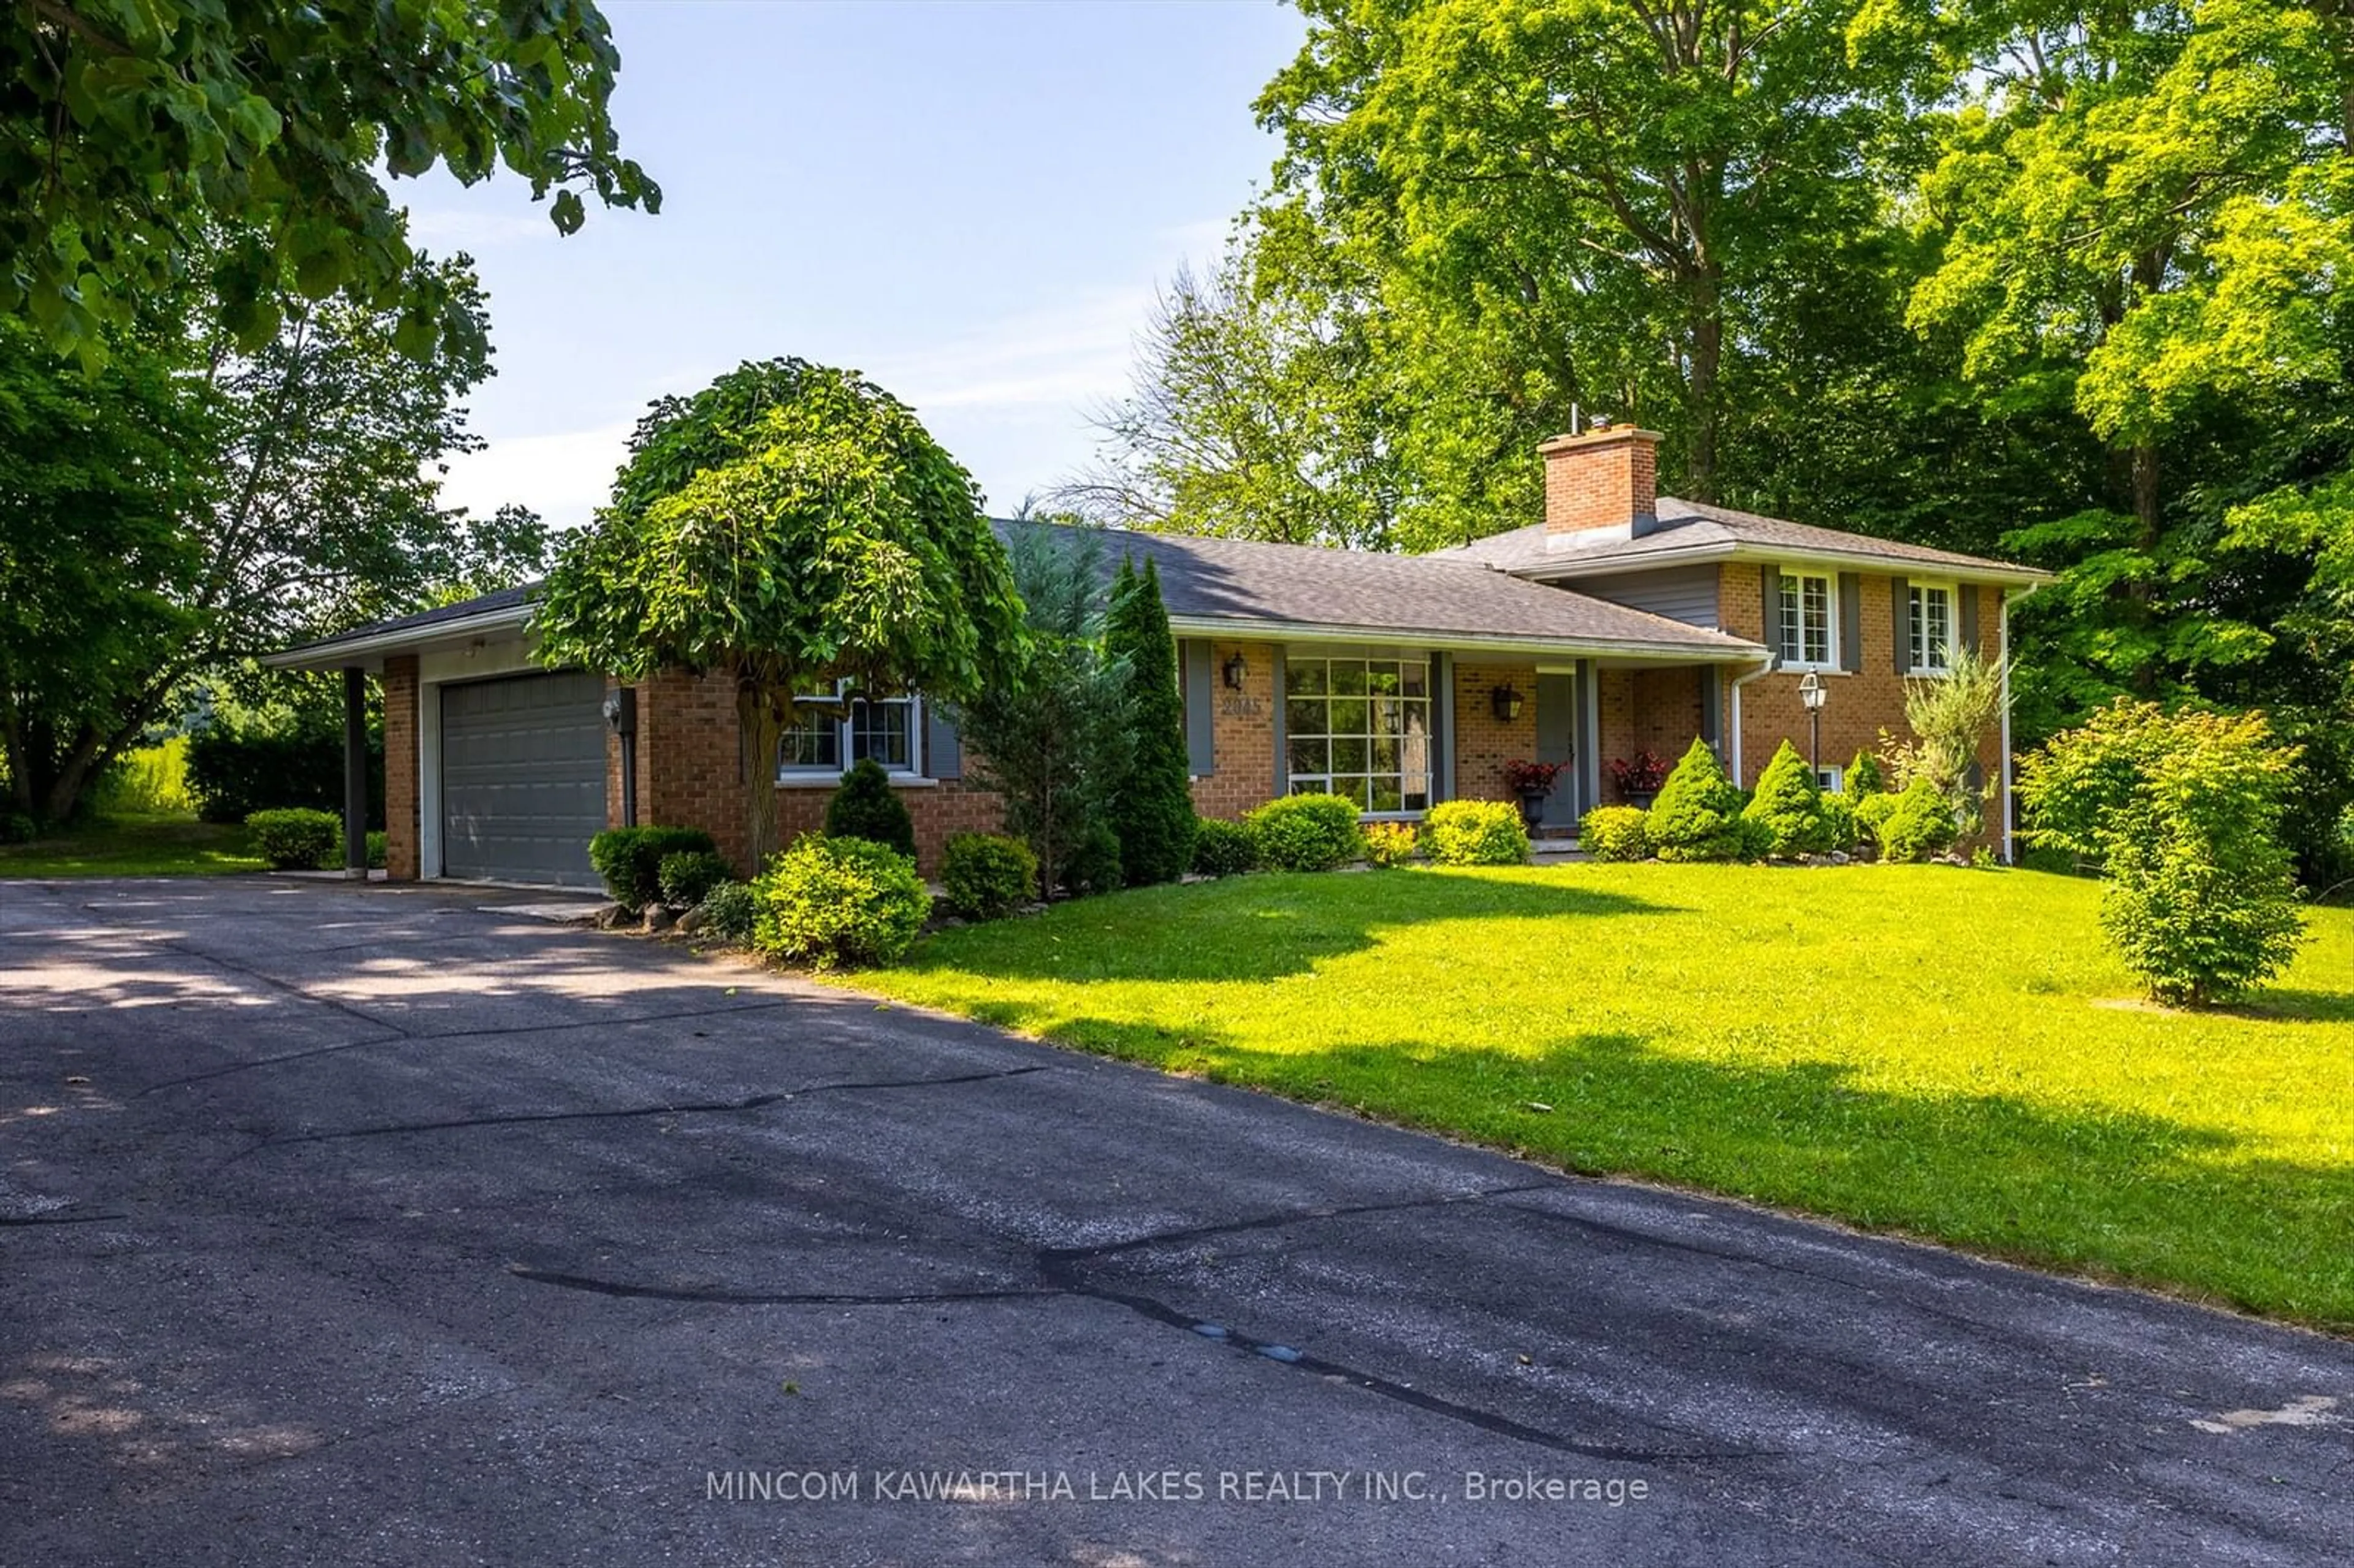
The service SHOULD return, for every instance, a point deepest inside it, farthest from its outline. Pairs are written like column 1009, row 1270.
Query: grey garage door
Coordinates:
column 523, row 777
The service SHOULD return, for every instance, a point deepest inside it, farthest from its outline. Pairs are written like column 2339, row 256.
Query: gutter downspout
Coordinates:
column 2003, row 652
column 1733, row 719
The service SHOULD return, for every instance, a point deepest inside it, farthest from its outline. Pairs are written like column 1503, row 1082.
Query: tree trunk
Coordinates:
column 760, row 712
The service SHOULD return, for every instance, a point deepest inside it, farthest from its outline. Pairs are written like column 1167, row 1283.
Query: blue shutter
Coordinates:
column 1900, row 595
column 943, row 746
column 1851, row 611
column 1197, row 659
column 1967, row 612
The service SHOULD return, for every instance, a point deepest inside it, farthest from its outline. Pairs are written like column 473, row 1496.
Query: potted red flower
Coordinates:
column 1638, row 777
column 1532, row 782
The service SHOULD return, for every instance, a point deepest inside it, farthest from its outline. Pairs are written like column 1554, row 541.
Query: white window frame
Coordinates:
column 1916, row 621
column 1831, row 661
column 1316, row 783
column 1832, row 778
column 789, row 774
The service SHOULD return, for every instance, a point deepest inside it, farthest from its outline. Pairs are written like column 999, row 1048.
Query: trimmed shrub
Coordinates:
column 2184, row 812
column 1863, row 777
column 986, row 875
column 1787, row 807
column 1390, row 843
column 1838, row 817
column 296, row 838
column 827, row 901
column 866, row 807
column 730, row 910
column 1698, row 814
column 686, row 876
column 630, row 860
column 1093, row 865
column 1920, row 825
column 1221, row 848
column 1150, row 803
column 1477, row 832
column 1615, row 833
column 1871, row 813
column 379, row 851
column 1306, row 833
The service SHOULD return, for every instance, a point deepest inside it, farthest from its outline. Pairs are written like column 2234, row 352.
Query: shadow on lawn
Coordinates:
column 2122, row 1193
column 1249, row 928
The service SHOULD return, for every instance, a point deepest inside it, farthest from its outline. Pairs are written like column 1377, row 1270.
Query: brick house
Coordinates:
column 1623, row 621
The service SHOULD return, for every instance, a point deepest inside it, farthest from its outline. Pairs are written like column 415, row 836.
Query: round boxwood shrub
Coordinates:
column 1920, row 825
column 866, row 807
column 730, row 910
column 1221, row 848
column 295, row 838
column 1477, row 832
column 1306, row 833
column 1838, row 817
column 1787, row 807
column 686, row 876
column 1390, row 844
column 1871, row 814
column 630, row 860
column 827, row 901
column 1698, row 814
column 1093, row 865
column 1615, row 833
column 986, row 875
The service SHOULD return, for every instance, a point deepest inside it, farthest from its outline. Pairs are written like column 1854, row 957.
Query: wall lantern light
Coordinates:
column 1506, row 702
column 1237, row 671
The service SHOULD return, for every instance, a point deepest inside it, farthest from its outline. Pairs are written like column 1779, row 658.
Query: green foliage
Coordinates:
column 1871, row 814
column 2183, row 809
column 1050, row 735
column 1616, row 833
column 136, row 132
column 1305, row 832
column 1698, row 814
column 1840, row 819
column 1921, row 824
column 1149, row 804
column 295, row 838
column 1094, row 865
column 684, row 876
column 1221, row 848
column 150, row 781
column 828, row 902
column 1863, row 777
column 788, row 526
column 985, row 875
column 288, row 753
column 1787, row 807
column 866, row 807
column 730, row 911
column 630, row 860
column 1951, row 716
column 1389, row 844
column 17, row 827
column 380, row 849
column 1475, row 832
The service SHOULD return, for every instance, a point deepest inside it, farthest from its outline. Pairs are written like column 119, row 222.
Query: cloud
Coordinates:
column 562, row 477
column 1062, row 356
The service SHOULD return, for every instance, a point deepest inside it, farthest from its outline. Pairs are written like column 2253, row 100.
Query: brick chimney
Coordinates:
column 1605, row 481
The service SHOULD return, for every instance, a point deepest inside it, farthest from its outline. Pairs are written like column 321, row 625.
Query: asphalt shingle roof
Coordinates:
column 1688, row 526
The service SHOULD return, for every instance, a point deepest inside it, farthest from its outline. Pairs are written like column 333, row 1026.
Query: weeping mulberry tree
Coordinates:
column 790, row 526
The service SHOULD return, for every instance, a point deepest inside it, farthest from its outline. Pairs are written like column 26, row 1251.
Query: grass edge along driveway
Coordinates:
column 134, row 845
column 1948, row 1053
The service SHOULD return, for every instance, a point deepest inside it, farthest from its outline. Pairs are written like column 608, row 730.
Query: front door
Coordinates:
column 1556, row 725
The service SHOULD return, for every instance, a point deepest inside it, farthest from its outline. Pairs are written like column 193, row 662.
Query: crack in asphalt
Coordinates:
column 288, row 988
column 682, row 1013
column 30, row 1220
column 749, row 1102
column 764, row 1298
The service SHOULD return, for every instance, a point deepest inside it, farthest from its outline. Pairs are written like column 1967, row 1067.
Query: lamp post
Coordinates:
column 1814, row 695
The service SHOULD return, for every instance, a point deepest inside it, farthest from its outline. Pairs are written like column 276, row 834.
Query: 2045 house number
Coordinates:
column 1239, row 704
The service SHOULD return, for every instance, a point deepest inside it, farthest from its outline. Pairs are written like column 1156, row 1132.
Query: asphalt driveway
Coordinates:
column 362, row 1227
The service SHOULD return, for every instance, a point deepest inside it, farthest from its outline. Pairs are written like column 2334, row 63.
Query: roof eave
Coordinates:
column 1687, row 555
column 366, row 650
column 1715, row 651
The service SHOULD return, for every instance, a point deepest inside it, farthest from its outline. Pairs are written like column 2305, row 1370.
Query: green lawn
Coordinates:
column 133, row 846
column 1948, row 1053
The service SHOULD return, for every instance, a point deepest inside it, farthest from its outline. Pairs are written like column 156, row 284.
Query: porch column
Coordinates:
column 1590, row 736
column 355, row 772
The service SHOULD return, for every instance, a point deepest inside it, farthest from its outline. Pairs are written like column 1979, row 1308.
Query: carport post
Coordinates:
column 355, row 772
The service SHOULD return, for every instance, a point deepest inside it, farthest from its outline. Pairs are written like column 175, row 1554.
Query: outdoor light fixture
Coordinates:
column 1237, row 671
column 620, row 711
column 1813, row 694
column 1506, row 703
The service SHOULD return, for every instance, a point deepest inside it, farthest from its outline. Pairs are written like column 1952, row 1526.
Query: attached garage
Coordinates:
column 523, row 777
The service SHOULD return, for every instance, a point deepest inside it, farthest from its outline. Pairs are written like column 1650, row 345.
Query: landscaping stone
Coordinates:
column 688, row 923
column 660, row 918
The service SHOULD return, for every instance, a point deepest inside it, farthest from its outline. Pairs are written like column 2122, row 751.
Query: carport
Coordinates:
column 506, row 773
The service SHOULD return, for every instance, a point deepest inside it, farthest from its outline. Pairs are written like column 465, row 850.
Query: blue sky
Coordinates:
column 972, row 202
